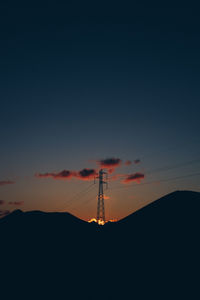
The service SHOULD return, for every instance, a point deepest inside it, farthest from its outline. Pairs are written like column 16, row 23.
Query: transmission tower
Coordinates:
column 100, row 204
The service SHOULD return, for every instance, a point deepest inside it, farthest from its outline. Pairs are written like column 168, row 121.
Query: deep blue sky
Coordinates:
column 77, row 85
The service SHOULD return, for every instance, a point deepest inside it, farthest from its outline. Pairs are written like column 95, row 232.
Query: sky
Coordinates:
column 81, row 86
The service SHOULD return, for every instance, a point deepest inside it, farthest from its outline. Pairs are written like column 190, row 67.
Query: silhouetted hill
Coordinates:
column 156, row 247
column 177, row 210
column 176, row 205
column 174, row 214
column 48, row 229
column 40, row 218
column 171, row 221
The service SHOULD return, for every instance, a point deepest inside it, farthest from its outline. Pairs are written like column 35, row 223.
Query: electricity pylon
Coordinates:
column 100, row 204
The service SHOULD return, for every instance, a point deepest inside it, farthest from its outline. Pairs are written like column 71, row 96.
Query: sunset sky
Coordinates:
column 79, row 89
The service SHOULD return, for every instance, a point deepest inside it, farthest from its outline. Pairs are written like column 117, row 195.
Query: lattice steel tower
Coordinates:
column 100, row 204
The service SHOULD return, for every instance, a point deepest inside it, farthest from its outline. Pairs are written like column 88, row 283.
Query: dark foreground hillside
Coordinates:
column 152, row 253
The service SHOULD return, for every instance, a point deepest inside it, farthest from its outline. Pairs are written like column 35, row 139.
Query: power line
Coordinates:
column 78, row 195
column 89, row 189
column 88, row 200
column 156, row 181
column 170, row 167
column 166, row 168
column 86, row 193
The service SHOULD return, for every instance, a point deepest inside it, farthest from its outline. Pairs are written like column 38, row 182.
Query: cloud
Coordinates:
column 137, row 161
column 65, row 174
column 110, row 163
column 4, row 213
column 44, row 175
column 86, row 174
column 2, row 202
column 134, row 177
column 128, row 163
column 5, row 182
column 16, row 203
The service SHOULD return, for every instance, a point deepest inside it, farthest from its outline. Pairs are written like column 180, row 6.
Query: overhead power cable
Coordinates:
column 156, row 181
column 167, row 168
column 78, row 195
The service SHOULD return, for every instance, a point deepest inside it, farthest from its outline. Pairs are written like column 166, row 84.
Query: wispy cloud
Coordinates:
column 109, row 163
column 84, row 174
column 65, row 174
column 134, row 177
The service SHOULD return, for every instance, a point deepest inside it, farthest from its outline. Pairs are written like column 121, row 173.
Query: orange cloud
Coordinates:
column 85, row 174
column 65, row 174
column 110, row 164
column 134, row 177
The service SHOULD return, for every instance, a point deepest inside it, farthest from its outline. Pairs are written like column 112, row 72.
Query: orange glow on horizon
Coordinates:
column 100, row 222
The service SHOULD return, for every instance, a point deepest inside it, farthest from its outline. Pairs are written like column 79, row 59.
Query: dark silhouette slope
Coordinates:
column 175, row 206
column 176, row 211
column 174, row 214
column 43, row 219
column 57, row 231
column 152, row 253
column 171, row 222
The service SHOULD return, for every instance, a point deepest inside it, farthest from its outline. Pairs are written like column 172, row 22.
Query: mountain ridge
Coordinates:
column 171, row 196
column 148, row 250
